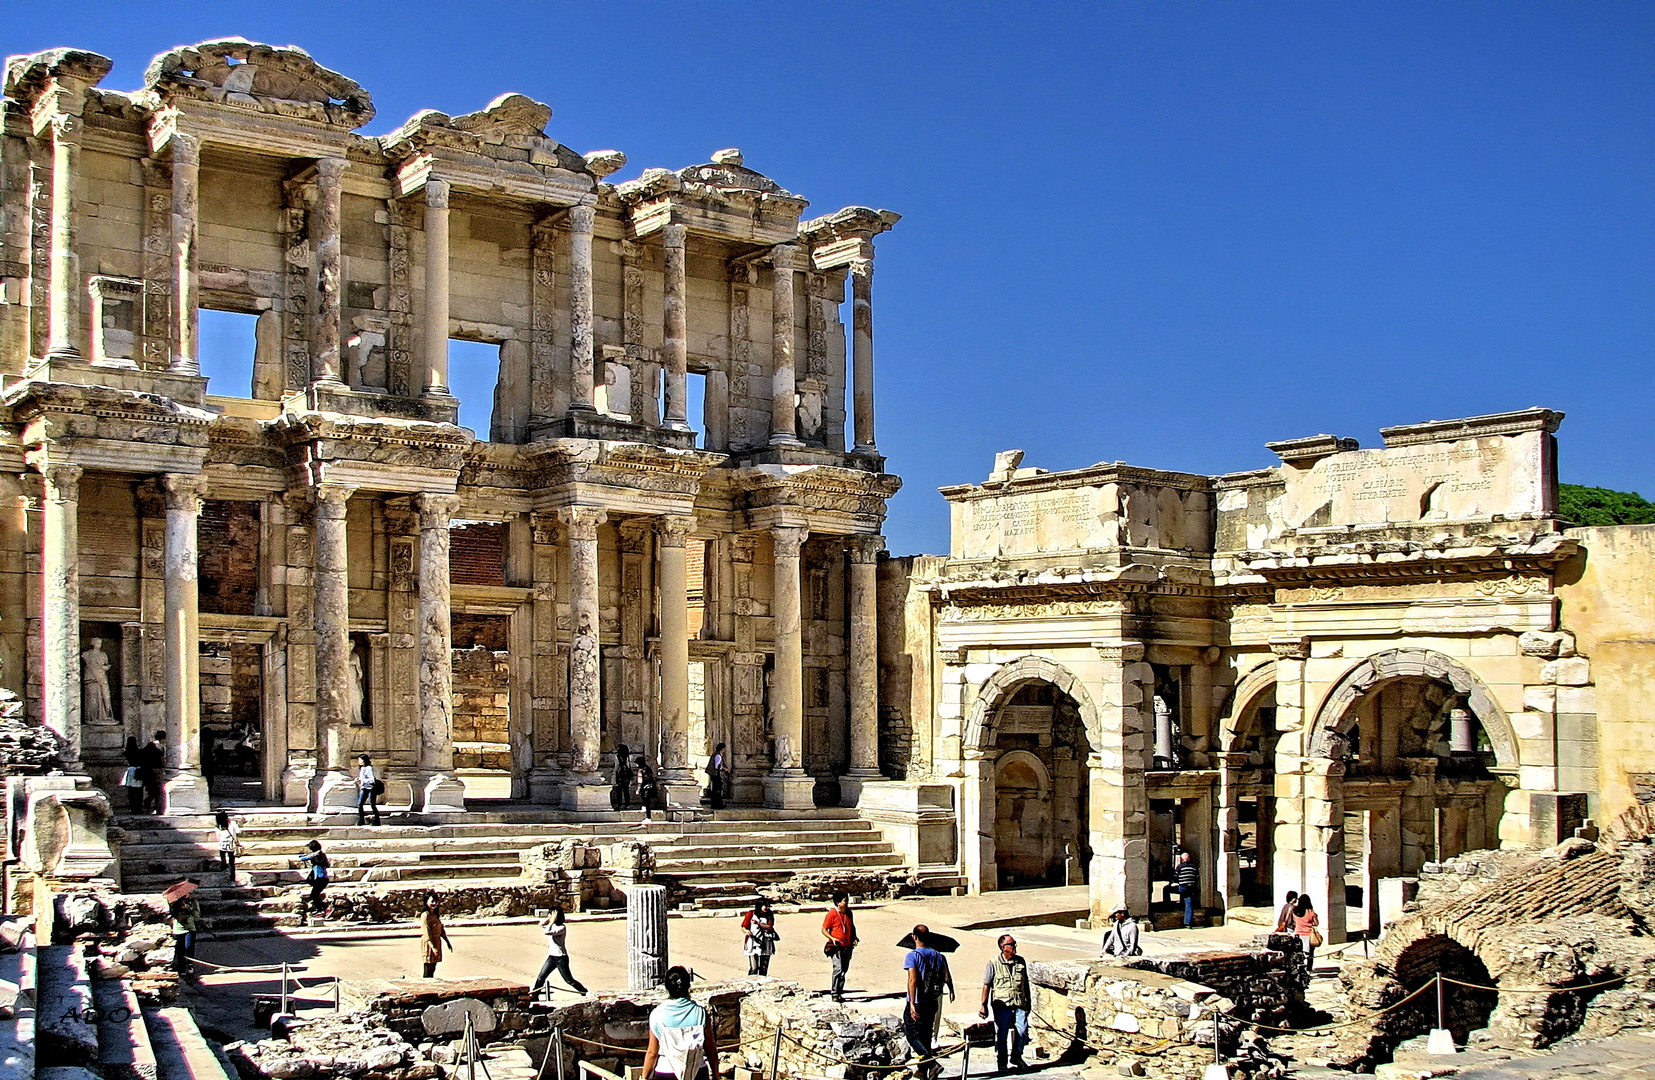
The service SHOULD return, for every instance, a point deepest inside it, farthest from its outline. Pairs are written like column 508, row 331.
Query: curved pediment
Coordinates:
column 280, row 79
column 28, row 74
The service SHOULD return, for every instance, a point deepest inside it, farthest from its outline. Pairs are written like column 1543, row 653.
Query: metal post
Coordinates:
column 965, row 1062
column 1440, row 1022
column 557, row 1043
column 284, row 987
column 776, row 1053
column 1218, row 1059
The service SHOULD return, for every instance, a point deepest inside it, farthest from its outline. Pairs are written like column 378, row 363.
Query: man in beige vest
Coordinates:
column 1006, row 990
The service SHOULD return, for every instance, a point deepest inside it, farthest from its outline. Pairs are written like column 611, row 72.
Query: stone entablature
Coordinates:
column 237, row 178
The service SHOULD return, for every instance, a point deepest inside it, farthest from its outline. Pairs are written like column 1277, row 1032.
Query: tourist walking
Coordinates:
column 228, row 830
column 317, row 873
column 557, row 955
column 1006, row 991
column 760, row 937
column 1189, row 883
column 682, row 1045
column 716, row 774
column 152, row 763
column 185, row 913
column 620, row 791
column 368, row 789
column 839, row 927
column 133, row 778
column 928, row 976
column 1122, row 937
column 432, row 936
column 648, row 789
column 1284, row 917
column 1305, row 924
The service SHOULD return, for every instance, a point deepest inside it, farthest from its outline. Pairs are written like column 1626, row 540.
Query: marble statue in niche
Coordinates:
column 97, row 707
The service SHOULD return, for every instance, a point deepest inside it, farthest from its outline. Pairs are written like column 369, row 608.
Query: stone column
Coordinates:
column 330, row 269
column 783, row 390
column 1234, row 770
column 675, row 350
column 646, row 936
column 186, row 790
column 442, row 791
column 1120, row 802
column 861, row 281
column 862, row 675
column 60, row 609
column 63, row 312
column 586, row 789
column 788, row 786
column 677, row 769
column 580, row 304
column 186, row 175
column 436, row 289
column 333, row 787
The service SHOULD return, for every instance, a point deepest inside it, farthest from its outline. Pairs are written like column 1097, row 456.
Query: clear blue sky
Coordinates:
column 1163, row 233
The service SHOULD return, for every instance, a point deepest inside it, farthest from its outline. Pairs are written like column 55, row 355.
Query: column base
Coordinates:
column 786, row 440
column 545, row 785
column 850, row 785
column 186, row 793
column 332, row 792
column 587, row 792
column 442, row 793
column 792, row 790
column 681, row 788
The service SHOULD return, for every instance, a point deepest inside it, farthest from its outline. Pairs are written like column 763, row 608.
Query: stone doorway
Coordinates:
column 481, row 658
column 1040, row 790
column 234, row 742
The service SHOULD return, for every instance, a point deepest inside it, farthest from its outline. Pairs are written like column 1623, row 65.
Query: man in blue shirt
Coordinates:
column 928, row 977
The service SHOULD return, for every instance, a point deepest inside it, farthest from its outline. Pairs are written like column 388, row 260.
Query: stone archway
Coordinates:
column 1365, row 675
column 1247, row 806
column 978, row 732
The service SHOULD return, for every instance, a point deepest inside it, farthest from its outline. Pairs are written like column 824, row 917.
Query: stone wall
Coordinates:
column 482, row 694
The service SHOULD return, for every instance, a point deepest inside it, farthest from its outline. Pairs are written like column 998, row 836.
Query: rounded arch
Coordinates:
column 1246, row 691
column 1364, row 675
column 979, row 725
column 1022, row 759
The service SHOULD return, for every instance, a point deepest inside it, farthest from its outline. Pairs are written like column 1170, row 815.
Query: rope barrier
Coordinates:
column 1536, row 989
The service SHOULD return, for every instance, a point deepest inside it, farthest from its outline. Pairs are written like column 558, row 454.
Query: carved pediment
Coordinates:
column 512, row 125
column 508, row 114
column 28, row 75
column 280, row 79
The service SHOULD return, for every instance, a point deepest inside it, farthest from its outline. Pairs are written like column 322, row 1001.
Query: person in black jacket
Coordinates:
column 1189, row 883
column 153, row 762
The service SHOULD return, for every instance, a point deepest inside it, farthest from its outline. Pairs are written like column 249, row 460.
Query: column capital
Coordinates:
column 436, row 509
column 866, row 549
column 436, row 194
column 788, row 540
column 582, row 218
column 183, row 491
column 785, row 257
column 1119, row 652
column 671, row 530
column 63, row 482
column 186, row 149
column 328, row 500
column 332, row 168
column 674, row 235
column 861, row 270
column 65, row 128
column 582, row 521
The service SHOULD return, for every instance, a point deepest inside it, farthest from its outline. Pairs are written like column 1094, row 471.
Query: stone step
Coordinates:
column 124, row 1047
column 67, row 1033
column 426, row 871
column 666, row 863
column 825, row 851
column 180, row 1050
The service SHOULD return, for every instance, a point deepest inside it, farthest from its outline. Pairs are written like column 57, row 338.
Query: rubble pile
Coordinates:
column 871, row 884
column 819, row 1036
column 1564, row 938
column 24, row 748
column 355, row 1045
column 124, row 937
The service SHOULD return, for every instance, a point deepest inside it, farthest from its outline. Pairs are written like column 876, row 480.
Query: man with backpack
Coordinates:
column 928, row 977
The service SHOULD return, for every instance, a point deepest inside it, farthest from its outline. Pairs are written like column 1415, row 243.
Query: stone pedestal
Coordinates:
column 67, row 828
column 588, row 792
column 646, row 936
column 333, row 792
column 441, row 793
column 187, row 793
column 791, row 790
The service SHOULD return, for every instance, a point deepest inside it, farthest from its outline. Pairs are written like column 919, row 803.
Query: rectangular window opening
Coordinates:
column 695, row 405
column 473, row 377
column 229, row 340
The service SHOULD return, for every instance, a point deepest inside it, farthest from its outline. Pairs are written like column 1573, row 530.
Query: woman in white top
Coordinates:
column 681, row 1041
column 367, row 790
column 557, row 955
column 229, row 840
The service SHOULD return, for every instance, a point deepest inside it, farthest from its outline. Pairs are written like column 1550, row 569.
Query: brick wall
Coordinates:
column 477, row 553
column 228, row 541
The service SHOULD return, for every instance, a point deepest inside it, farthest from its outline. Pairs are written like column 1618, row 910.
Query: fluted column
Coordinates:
column 60, row 609
column 861, row 282
column 646, row 936
column 863, row 672
column 676, row 762
column 783, row 388
column 186, row 790
column 442, row 791
column 788, row 786
column 330, row 269
column 586, row 789
column 436, row 289
column 675, row 350
column 580, row 307
column 332, row 787
column 63, row 311
column 186, row 176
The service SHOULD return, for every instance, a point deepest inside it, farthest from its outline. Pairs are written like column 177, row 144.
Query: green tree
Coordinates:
column 1601, row 506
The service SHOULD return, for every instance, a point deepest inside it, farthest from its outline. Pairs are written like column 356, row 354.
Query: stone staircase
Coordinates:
column 718, row 861
column 58, row 1016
